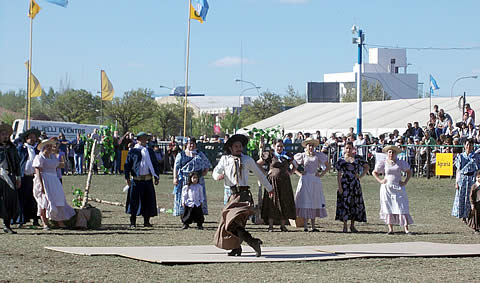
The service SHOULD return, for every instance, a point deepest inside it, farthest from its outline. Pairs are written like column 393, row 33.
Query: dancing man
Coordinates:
column 233, row 168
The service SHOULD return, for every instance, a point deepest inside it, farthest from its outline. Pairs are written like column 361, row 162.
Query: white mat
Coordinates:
column 211, row 254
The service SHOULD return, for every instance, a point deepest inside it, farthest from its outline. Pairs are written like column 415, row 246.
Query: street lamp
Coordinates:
column 254, row 85
column 359, row 41
column 170, row 88
column 461, row 78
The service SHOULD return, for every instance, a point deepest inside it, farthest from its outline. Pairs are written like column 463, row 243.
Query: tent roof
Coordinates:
column 378, row 116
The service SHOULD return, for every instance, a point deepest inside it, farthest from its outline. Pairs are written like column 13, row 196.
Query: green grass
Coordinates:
column 23, row 257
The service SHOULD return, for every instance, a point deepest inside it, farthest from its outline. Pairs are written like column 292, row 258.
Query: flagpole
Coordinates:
column 101, row 98
column 186, row 73
column 29, row 79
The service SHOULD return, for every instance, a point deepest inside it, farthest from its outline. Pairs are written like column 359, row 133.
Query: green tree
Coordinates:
column 266, row 105
column 369, row 92
column 13, row 101
column 78, row 106
column 293, row 98
column 230, row 122
column 203, row 125
column 167, row 119
column 130, row 110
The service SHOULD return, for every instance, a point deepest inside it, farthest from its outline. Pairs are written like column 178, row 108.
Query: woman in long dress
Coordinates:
column 467, row 163
column 47, row 189
column 350, row 205
column 188, row 161
column 309, row 198
column 282, row 205
column 394, row 206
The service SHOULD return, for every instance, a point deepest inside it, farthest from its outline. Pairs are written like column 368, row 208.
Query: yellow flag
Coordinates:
column 194, row 14
column 34, row 9
column 107, row 87
column 35, row 88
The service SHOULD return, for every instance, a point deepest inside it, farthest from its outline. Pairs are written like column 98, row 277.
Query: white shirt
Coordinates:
column 29, row 170
column 226, row 166
column 360, row 149
column 192, row 195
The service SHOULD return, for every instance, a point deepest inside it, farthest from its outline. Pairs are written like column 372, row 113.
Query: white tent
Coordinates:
column 378, row 116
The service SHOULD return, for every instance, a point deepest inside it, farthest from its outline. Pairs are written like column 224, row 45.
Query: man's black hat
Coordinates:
column 238, row 137
column 25, row 134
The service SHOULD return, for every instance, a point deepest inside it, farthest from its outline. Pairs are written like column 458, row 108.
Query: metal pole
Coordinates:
column 359, row 83
column 186, row 74
column 101, row 98
column 29, row 84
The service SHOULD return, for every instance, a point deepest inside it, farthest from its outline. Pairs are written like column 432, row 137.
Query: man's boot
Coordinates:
column 255, row 243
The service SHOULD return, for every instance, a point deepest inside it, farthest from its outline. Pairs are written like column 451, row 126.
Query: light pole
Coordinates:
column 359, row 41
column 162, row 86
column 254, row 85
column 461, row 78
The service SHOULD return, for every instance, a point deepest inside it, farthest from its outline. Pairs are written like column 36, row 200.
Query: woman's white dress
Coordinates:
column 53, row 199
column 309, row 198
column 394, row 207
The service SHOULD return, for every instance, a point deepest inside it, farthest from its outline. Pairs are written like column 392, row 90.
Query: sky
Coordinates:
column 141, row 43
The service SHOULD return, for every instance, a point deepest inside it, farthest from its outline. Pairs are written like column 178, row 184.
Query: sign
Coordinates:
column 124, row 158
column 444, row 164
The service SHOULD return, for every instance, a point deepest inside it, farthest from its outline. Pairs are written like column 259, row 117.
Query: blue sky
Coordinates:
column 141, row 44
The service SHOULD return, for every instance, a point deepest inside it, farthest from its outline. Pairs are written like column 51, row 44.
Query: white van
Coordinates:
column 53, row 128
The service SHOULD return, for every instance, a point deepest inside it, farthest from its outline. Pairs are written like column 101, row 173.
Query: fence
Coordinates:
column 421, row 158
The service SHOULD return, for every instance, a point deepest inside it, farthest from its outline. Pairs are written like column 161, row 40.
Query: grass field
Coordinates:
column 23, row 257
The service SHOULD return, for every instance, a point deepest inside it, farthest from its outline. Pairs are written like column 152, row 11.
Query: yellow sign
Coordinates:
column 444, row 164
column 124, row 158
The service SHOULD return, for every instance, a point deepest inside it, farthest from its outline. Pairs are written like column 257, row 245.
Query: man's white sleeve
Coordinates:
column 219, row 169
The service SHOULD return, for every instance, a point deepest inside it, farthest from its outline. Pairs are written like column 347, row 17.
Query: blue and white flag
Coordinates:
column 433, row 83
column 201, row 8
column 62, row 3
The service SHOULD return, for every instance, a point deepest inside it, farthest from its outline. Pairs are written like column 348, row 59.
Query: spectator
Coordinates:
column 117, row 160
column 417, row 131
column 467, row 119
column 78, row 149
column 410, row 132
column 288, row 142
column 172, row 150
column 470, row 112
column 159, row 155
column 435, row 110
column 432, row 119
column 359, row 145
column 351, row 133
column 298, row 140
column 450, row 130
column 472, row 132
column 431, row 131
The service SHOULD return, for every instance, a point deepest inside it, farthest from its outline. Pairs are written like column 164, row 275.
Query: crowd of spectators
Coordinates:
column 420, row 142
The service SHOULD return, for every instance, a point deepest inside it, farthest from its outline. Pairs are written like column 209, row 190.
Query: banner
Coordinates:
column 444, row 164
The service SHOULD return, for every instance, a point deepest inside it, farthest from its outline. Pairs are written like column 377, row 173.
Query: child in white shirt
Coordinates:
column 192, row 198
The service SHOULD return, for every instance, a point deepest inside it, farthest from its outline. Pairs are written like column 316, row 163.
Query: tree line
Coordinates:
column 137, row 110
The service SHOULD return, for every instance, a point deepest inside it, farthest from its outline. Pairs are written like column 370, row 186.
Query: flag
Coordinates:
column 199, row 10
column 433, row 83
column 34, row 85
column 107, row 87
column 34, row 9
column 62, row 3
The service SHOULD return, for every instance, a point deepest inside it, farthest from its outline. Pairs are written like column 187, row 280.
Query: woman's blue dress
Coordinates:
column 467, row 166
column 186, row 165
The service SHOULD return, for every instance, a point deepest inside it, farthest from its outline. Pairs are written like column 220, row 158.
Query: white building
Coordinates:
column 214, row 105
column 385, row 66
